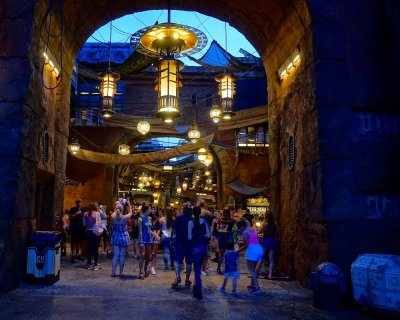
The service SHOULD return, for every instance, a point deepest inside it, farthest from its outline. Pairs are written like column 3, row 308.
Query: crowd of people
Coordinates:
column 187, row 238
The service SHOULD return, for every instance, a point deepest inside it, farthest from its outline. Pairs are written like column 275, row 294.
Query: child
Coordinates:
column 231, row 268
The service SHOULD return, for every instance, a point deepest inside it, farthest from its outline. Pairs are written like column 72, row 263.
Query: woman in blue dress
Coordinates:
column 144, row 240
column 120, row 236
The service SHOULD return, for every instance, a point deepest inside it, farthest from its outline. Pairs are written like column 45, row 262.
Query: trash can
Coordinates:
column 329, row 285
column 44, row 256
column 376, row 281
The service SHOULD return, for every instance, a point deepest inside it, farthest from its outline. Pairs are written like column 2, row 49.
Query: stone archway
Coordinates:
column 333, row 107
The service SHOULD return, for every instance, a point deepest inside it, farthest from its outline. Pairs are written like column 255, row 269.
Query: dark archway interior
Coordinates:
column 340, row 106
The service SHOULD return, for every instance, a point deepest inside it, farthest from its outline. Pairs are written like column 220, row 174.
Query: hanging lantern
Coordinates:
column 226, row 91
column 124, row 149
column 194, row 133
column 147, row 184
column 108, row 88
column 156, row 183
column 215, row 113
column 184, row 186
column 168, row 84
column 141, row 185
column 179, row 190
column 207, row 173
column 201, row 154
column 74, row 147
column 209, row 180
column 208, row 160
column 143, row 127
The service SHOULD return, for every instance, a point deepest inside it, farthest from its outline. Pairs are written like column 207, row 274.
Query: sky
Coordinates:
column 213, row 28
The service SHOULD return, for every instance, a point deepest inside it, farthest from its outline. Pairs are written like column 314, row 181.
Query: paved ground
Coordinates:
column 83, row 294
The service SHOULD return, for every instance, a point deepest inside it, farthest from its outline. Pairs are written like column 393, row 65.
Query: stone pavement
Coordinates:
column 84, row 294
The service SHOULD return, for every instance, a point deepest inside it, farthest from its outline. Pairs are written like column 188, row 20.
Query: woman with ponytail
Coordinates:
column 199, row 235
column 144, row 240
column 120, row 236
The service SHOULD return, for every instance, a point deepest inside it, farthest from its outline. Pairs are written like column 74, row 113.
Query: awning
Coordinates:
column 243, row 188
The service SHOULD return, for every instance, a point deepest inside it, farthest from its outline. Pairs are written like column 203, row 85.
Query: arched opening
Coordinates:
column 336, row 195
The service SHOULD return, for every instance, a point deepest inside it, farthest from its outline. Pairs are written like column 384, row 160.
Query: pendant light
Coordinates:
column 226, row 88
column 215, row 113
column 194, row 133
column 143, row 127
column 201, row 154
column 124, row 149
column 168, row 41
column 74, row 147
column 184, row 185
column 108, row 86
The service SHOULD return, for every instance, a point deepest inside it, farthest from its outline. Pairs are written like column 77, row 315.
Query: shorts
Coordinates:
column 183, row 252
column 254, row 252
column 268, row 244
column 77, row 236
column 232, row 275
column 224, row 239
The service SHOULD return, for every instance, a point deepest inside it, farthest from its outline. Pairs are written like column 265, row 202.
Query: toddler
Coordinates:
column 231, row 268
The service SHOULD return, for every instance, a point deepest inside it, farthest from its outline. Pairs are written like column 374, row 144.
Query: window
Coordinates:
column 291, row 153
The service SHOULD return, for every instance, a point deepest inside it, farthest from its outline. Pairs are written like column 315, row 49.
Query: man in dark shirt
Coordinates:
column 76, row 229
column 249, row 217
column 182, row 244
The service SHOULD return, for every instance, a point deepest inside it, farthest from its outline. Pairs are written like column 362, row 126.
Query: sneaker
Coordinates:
column 104, row 254
column 256, row 291
column 204, row 273
column 153, row 271
column 90, row 267
column 176, row 282
column 166, row 269
column 234, row 294
column 221, row 289
column 188, row 283
column 146, row 274
column 141, row 276
column 95, row 268
column 198, row 295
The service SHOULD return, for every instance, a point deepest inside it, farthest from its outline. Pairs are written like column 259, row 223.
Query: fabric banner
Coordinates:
column 143, row 158
column 245, row 118
column 243, row 188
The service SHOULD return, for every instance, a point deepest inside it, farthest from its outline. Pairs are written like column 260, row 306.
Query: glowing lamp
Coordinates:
column 194, row 133
column 184, row 186
column 179, row 190
column 124, row 149
column 207, row 173
column 215, row 113
column 226, row 91
column 167, row 167
column 208, row 160
column 143, row 127
column 74, row 147
column 156, row 183
column 108, row 88
column 202, row 154
column 168, row 84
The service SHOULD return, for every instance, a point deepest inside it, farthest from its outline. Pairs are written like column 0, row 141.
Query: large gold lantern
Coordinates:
column 124, row 149
column 194, row 133
column 108, row 88
column 226, row 91
column 156, row 183
column 215, row 113
column 168, row 84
